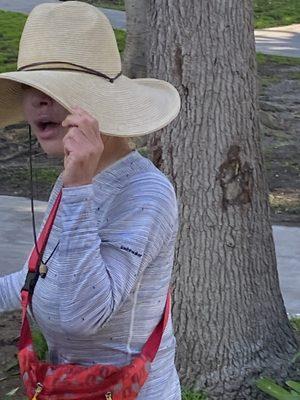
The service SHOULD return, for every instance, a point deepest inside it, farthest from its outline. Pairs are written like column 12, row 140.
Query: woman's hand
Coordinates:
column 83, row 147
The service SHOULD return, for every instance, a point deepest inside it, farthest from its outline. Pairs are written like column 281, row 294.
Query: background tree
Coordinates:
column 134, row 61
column 230, row 321
column 136, row 57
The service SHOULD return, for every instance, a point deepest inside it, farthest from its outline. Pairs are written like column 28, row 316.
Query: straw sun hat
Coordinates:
column 69, row 51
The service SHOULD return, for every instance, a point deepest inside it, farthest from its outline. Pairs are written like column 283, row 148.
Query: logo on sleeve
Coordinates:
column 131, row 251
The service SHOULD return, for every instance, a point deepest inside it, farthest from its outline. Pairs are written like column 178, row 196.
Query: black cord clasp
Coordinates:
column 30, row 282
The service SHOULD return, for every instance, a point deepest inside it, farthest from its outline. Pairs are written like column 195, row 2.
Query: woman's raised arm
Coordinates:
column 98, row 273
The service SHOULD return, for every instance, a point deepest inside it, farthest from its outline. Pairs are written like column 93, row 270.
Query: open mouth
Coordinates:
column 45, row 125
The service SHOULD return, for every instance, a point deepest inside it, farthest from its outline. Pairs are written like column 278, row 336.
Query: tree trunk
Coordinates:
column 230, row 321
column 134, row 59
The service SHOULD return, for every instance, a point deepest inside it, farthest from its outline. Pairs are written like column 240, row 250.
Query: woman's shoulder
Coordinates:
column 135, row 178
column 144, row 173
column 148, row 183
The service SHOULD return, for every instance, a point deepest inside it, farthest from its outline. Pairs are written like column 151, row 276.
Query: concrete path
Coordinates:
column 117, row 18
column 16, row 240
column 284, row 40
column 16, row 236
column 287, row 247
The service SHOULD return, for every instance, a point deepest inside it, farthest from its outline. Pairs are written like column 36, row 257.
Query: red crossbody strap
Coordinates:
column 149, row 349
column 33, row 274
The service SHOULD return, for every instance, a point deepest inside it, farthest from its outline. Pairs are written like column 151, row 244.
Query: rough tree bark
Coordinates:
column 230, row 321
column 134, row 60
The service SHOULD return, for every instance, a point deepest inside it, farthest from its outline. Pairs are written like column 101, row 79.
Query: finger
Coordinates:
column 81, row 128
column 72, row 146
column 88, row 125
column 71, row 119
column 77, row 135
column 70, row 141
column 82, row 143
column 80, row 111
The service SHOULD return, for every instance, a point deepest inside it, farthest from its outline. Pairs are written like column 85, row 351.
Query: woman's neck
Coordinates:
column 113, row 151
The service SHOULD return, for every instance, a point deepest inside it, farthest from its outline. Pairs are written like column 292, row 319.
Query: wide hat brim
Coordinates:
column 126, row 107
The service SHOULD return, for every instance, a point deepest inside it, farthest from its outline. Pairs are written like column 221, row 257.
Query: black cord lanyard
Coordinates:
column 43, row 264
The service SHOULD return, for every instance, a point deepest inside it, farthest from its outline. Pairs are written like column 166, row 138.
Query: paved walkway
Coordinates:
column 284, row 40
column 16, row 240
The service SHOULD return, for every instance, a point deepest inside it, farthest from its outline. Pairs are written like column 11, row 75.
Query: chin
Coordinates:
column 52, row 149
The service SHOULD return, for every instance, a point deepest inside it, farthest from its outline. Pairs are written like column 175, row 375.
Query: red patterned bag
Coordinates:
column 45, row 381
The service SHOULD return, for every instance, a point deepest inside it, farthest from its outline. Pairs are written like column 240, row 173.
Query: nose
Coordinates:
column 40, row 99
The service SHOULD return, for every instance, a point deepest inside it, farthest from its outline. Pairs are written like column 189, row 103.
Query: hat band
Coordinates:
column 85, row 69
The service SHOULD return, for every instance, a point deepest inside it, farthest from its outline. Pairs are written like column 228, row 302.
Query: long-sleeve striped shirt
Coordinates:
column 108, row 279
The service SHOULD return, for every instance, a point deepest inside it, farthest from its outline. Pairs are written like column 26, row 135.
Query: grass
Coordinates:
column 121, row 39
column 40, row 344
column 265, row 81
column 294, row 75
column 288, row 203
column 17, row 175
column 17, row 179
column 46, row 175
column 190, row 395
column 269, row 13
column 295, row 321
column 274, row 59
column 114, row 5
column 11, row 26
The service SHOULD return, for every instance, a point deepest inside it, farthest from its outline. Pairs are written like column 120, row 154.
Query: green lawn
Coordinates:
column 113, row 4
column 11, row 26
column 270, row 13
column 268, row 58
column 188, row 395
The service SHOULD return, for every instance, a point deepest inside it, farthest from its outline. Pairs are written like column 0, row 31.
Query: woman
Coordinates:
column 110, row 252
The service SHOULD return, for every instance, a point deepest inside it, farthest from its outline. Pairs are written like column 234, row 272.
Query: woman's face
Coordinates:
column 39, row 109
